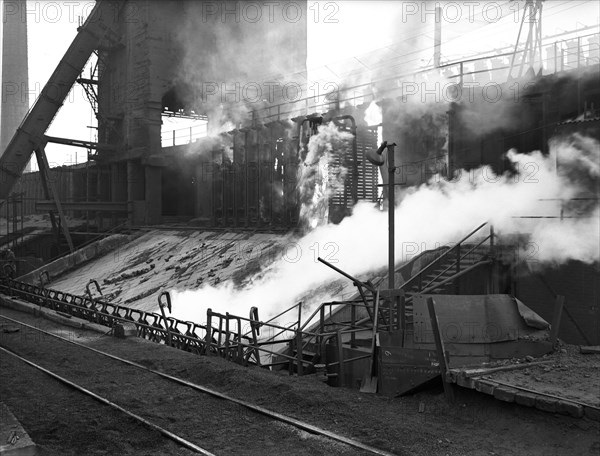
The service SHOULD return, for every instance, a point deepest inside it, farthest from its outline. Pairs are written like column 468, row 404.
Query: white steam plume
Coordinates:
column 434, row 214
column 236, row 64
column 321, row 177
column 373, row 114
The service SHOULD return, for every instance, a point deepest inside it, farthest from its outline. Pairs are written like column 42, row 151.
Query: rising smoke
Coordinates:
column 234, row 54
column 436, row 213
column 321, row 177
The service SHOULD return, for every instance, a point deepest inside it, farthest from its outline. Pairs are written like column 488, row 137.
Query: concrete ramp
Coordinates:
column 172, row 259
column 185, row 260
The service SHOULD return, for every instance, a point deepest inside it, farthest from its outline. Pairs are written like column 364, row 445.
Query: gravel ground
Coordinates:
column 65, row 422
column 218, row 426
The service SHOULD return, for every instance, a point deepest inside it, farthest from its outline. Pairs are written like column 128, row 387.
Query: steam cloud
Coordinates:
column 433, row 214
column 321, row 177
column 228, row 70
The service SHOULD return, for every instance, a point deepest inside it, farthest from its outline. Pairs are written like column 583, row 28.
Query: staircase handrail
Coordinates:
column 454, row 277
column 261, row 323
column 410, row 281
column 457, row 261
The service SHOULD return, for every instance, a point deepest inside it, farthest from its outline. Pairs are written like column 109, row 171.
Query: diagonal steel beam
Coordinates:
column 30, row 134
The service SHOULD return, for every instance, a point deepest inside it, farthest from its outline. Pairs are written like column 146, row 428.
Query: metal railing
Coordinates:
column 186, row 335
column 415, row 282
column 232, row 337
column 227, row 336
column 563, row 55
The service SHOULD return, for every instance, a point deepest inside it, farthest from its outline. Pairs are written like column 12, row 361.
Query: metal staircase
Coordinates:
column 349, row 327
column 440, row 275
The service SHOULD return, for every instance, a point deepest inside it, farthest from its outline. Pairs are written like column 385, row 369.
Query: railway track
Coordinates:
column 221, row 424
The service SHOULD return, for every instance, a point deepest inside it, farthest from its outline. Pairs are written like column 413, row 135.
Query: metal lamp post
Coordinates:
column 376, row 158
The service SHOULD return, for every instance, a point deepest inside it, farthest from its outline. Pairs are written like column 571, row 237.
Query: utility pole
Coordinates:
column 376, row 158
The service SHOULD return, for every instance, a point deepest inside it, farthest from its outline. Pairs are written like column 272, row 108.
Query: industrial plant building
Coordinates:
column 205, row 127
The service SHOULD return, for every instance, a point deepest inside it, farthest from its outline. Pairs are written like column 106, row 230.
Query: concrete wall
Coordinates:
column 77, row 258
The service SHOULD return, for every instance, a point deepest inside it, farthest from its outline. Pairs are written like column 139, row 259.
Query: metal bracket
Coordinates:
column 87, row 288
column 43, row 274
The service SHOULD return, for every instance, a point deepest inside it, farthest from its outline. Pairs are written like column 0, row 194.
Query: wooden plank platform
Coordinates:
column 565, row 382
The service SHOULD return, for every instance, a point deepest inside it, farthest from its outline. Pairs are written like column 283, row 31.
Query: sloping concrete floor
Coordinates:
column 184, row 260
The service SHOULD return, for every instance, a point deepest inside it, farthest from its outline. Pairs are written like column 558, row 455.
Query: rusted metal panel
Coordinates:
column 478, row 329
column 403, row 369
column 470, row 350
column 471, row 319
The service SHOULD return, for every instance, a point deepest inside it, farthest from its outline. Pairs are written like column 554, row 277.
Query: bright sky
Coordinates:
column 337, row 32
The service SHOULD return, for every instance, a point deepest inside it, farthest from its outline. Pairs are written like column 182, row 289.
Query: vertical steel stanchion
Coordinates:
column 162, row 306
column 208, row 336
column 391, row 215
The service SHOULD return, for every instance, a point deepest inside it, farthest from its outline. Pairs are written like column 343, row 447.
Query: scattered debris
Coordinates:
column 124, row 330
column 129, row 274
column 10, row 329
column 142, row 295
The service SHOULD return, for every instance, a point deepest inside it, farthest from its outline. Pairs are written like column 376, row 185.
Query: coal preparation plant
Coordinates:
column 265, row 228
